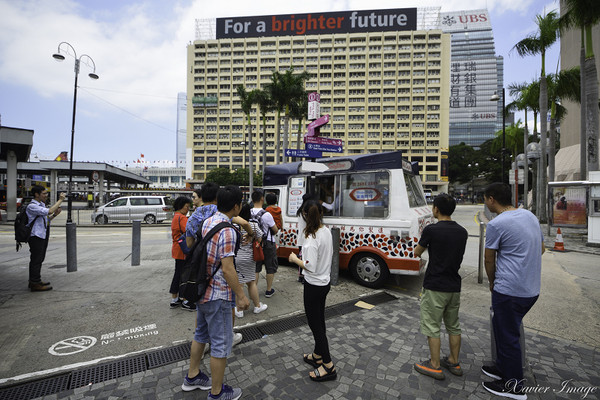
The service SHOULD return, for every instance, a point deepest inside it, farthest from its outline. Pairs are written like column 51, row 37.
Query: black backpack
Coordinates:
column 194, row 276
column 23, row 227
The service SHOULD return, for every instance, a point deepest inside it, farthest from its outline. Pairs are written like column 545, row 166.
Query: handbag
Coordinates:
column 182, row 242
column 257, row 251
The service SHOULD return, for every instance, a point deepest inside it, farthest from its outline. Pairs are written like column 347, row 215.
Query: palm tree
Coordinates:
column 299, row 111
column 284, row 90
column 521, row 92
column 513, row 139
column 534, row 44
column 562, row 86
column 247, row 101
column 265, row 105
column 584, row 14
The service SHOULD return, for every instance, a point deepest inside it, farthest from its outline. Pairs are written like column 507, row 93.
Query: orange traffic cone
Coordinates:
column 558, row 243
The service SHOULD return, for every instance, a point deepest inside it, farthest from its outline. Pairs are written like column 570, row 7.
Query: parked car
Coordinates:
column 150, row 209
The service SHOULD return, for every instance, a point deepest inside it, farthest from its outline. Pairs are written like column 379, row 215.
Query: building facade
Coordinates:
column 181, row 137
column 162, row 177
column 476, row 74
column 385, row 90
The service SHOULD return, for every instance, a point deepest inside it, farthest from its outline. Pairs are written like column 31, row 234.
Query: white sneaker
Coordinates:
column 239, row 314
column 261, row 308
column 237, row 338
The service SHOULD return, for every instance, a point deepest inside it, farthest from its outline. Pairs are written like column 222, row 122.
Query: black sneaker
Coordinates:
column 492, row 371
column 269, row 293
column 186, row 305
column 505, row 389
column 176, row 303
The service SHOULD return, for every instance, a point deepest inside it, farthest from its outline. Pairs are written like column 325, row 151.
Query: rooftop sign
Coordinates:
column 397, row 19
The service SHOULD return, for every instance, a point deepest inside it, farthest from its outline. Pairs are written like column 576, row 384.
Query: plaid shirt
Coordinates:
column 197, row 218
column 222, row 245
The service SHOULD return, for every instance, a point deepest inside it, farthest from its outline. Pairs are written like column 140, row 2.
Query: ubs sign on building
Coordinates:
column 475, row 75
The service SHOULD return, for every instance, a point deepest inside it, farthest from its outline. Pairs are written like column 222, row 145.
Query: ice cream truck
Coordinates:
column 377, row 202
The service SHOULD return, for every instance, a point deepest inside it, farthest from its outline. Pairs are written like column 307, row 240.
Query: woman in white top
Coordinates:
column 317, row 251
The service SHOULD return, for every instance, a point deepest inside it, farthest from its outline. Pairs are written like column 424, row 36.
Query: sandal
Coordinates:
column 330, row 375
column 315, row 362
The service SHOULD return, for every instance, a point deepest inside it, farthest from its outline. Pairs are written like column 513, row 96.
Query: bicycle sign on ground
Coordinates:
column 303, row 153
column 324, row 147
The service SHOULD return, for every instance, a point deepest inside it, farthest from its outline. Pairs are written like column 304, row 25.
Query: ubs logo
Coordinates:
column 449, row 20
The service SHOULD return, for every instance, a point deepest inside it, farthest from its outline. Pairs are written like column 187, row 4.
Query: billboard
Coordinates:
column 472, row 84
column 463, row 21
column 396, row 19
column 569, row 206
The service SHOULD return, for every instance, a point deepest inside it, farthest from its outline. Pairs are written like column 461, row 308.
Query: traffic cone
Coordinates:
column 558, row 243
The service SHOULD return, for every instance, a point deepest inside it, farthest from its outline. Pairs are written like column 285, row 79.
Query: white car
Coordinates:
column 150, row 209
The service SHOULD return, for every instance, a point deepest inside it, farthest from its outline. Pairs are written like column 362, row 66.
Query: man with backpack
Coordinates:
column 214, row 322
column 269, row 228
column 39, row 217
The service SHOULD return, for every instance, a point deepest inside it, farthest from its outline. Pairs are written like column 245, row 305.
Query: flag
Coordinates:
column 63, row 156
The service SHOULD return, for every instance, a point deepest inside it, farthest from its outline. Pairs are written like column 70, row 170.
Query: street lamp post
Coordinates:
column 473, row 172
column 71, row 226
column 496, row 98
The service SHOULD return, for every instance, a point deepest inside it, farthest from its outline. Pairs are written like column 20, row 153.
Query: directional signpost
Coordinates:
column 313, row 127
column 323, row 140
column 324, row 147
column 303, row 153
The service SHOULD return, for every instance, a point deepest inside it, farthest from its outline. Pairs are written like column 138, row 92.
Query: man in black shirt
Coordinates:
column 440, row 297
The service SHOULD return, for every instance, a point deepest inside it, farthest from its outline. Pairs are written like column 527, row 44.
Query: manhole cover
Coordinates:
column 58, row 266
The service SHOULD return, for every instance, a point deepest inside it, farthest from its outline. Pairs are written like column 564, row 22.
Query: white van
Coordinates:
column 376, row 200
column 150, row 209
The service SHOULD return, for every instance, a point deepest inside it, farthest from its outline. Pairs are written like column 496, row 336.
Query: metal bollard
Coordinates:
column 335, row 258
column 136, row 237
column 71, row 231
column 481, row 249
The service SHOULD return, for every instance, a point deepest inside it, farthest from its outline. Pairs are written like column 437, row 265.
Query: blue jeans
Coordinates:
column 508, row 316
column 214, row 325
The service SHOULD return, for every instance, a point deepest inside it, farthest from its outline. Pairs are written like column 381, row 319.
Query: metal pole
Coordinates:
column 504, row 176
column 71, row 229
column 135, row 242
column 481, row 247
column 335, row 259
column 526, row 167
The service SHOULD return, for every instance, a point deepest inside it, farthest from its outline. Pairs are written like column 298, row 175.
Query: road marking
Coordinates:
column 72, row 345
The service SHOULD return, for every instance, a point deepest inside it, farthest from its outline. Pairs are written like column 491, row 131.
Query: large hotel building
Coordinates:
column 385, row 84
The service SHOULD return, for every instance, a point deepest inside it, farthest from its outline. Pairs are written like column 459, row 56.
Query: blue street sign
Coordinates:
column 303, row 153
column 324, row 147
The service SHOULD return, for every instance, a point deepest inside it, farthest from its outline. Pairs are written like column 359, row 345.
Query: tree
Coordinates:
column 299, row 111
column 538, row 43
column 221, row 176
column 459, row 157
column 247, row 100
column 514, row 140
column 585, row 14
column 284, row 89
column 564, row 85
column 265, row 105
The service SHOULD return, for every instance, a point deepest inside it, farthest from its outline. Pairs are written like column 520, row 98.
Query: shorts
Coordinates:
column 214, row 325
column 436, row 306
column 270, row 251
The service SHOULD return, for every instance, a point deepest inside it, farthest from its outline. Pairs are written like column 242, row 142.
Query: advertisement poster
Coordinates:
column 569, row 206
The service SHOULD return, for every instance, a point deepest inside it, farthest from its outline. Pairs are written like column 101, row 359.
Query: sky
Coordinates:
column 139, row 50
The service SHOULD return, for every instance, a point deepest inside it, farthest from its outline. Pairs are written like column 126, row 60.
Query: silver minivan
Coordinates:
column 150, row 209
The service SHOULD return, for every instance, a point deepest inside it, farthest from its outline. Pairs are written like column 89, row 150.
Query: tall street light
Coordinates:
column 495, row 97
column 71, row 227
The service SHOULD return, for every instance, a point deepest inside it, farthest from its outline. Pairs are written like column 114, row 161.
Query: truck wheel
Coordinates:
column 369, row 270
column 102, row 219
column 150, row 219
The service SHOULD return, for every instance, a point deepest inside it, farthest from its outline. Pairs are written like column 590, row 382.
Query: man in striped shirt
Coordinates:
column 214, row 322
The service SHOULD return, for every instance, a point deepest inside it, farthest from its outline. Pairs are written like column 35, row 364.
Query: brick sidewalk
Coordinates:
column 374, row 352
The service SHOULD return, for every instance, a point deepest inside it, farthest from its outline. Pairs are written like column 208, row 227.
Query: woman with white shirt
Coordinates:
column 317, row 251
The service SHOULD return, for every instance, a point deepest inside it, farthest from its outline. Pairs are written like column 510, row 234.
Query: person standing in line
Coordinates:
column 440, row 297
column 514, row 245
column 214, row 321
column 317, row 253
column 181, row 207
column 269, row 247
column 208, row 194
column 39, row 217
column 245, row 264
